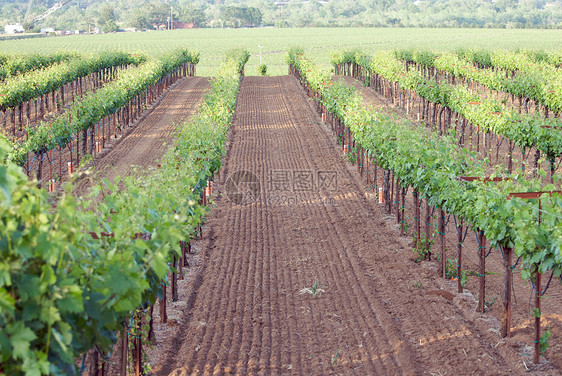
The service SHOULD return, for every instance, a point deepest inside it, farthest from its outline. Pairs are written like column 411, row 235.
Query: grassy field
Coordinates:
column 213, row 43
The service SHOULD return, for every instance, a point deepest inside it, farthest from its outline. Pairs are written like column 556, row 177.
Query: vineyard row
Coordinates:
column 13, row 65
column 447, row 178
column 77, row 278
column 89, row 123
column 539, row 83
column 531, row 133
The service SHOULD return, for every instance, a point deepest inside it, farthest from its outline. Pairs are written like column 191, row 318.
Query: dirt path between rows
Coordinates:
column 312, row 278
column 145, row 143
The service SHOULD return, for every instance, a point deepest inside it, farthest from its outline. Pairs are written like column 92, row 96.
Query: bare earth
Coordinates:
column 145, row 143
column 312, row 278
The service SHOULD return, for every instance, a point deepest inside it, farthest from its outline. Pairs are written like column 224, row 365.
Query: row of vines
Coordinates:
column 448, row 177
column 85, row 275
column 13, row 65
column 503, row 72
column 16, row 91
column 456, row 104
column 53, row 149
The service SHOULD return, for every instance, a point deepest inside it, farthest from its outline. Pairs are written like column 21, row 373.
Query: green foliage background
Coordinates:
column 80, row 14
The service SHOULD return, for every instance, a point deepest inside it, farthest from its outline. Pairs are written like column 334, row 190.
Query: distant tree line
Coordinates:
column 111, row 15
column 236, row 16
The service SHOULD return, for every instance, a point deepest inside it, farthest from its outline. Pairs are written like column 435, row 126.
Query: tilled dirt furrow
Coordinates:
column 334, row 249
column 210, row 318
column 146, row 143
column 314, row 279
column 434, row 325
column 266, row 325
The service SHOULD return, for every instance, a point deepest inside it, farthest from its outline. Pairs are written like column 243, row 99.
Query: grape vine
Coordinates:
column 525, row 130
column 61, row 290
column 22, row 88
column 432, row 164
column 13, row 65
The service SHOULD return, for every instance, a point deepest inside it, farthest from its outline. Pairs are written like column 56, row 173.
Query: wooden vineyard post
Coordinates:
column 367, row 172
column 94, row 364
column 203, row 198
column 538, row 296
column 174, row 282
column 124, row 350
column 417, row 217
column 442, row 242
column 510, row 156
column 20, row 116
column 402, row 214
column 28, row 113
column 482, row 254
column 386, row 188
column 397, row 202
column 391, row 193
column 137, row 350
column 361, row 161
column 163, row 315
column 151, row 323
column 375, row 177
column 459, row 254
column 508, row 283
column 427, row 227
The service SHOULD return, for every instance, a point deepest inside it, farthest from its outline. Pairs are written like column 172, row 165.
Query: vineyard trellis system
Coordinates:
column 17, row 120
column 436, row 170
column 90, row 123
column 13, row 65
column 46, row 91
column 97, row 364
column 524, row 81
column 474, row 119
column 97, row 273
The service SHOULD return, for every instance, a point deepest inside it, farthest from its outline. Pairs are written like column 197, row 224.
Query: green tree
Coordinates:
column 107, row 19
column 193, row 14
column 158, row 12
column 238, row 16
column 139, row 19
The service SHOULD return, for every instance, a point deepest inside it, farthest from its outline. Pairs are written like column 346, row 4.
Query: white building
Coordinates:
column 13, row 29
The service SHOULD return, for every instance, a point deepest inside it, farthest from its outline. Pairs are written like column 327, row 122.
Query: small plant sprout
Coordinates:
column 422, row 248
column 544, row 345
column 451, row 271
column 335, row 357
column 489, row 303
column 315, row 290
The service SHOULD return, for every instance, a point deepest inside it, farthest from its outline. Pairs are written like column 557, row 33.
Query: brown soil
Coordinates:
column 248, row 305
column 147, row 141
